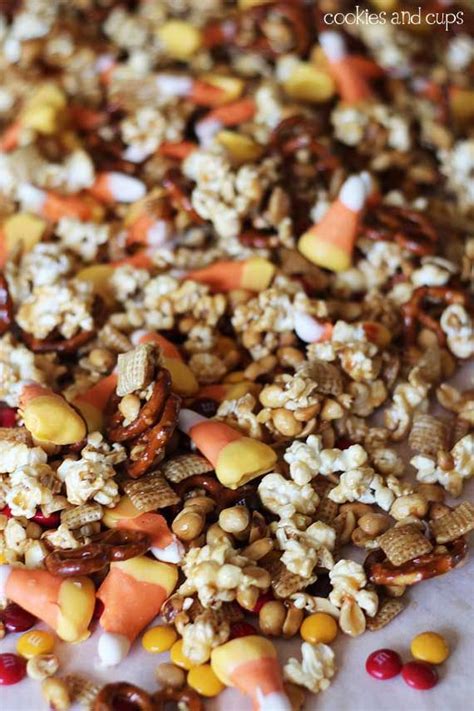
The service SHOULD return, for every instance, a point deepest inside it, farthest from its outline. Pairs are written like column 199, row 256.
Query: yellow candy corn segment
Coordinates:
column 241, row 149
column 324, row 254
column 309, row 83
column 245, row 4
column 50, row 418
column 49, row 94
column 228, row 656
column 150, row 571
column 98, row 275
column 23, row 228
column 124, row 509
column 93, row 417
column 183, row 380
column 231, row 86
column 242, row 460
column 76, row 606
column 258, row 273
column 180, row 39
column 42, row 118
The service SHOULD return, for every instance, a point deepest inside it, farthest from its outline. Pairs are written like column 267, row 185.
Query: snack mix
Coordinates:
column 237, row 263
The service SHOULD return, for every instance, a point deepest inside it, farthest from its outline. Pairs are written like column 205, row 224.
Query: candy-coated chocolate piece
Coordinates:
column 419, row 675
column 383, row 664
column 319, row 627
column 35, row 642
column 51, row 521
column 242, row 629
column 430, row 647
column 7, row 417
column 178, row 658
column 159, row 639
column 203, row 680
column 12, row 669
column 16, row 619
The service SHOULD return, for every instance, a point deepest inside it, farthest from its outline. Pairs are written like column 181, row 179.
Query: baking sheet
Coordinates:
column 443, row 604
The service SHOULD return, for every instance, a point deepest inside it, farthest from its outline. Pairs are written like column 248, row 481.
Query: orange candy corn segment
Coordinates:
column 330, row 243
column 350, row 81
column 254, row 274
column 91, row 404
column 250, row 664
column 66, row 605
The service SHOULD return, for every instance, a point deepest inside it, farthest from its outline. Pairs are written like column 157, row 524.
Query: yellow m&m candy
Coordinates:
column 203, row 680
column 178, row 658
column 159, row 639
column 430, row 647
column 35, row 642
column 319, row 627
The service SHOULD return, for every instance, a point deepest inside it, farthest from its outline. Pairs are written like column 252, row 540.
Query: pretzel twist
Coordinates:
column 186, row 698
column 113, row 696
column 223, row 496
column 410, row 229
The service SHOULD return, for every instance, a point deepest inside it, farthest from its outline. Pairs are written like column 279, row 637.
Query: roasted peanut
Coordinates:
column 169, row 675
column 431, row 492
column 234, row 519
column 410, row 505
column 42, row 666
column 362, row 539
column 188, row 524
column 272, row 617
column 437, row 510
column 357, row 508
column 374, row 524
column 289, row 356
column 102, row 359
column 395, row 590
column 56, row 693
column 129, row 407
column 215, row 533
column 258, row 549
column 286, row 423
column 292, row 623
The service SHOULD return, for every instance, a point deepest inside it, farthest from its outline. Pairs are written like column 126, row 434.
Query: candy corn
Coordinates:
column 311, row 330
column 49, row 417
column 164, row 544
column 351, row 84
column 236, row 459
column 183, row 380
column 132, row 593
column 91, row 403
column 330, row 242
column 197, row 91
column 113, row 187
column 254, row 274
column 146, row 230
column 232, row 114
column 227, row 391
column 53, row 206
column 250, row 664
column 65, row 604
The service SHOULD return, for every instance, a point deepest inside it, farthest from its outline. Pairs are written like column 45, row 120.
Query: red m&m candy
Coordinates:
column 383, row 664
column 16, row 619
column 51, row 521
column 7, row 417
column 12, row 669
column 420, row 675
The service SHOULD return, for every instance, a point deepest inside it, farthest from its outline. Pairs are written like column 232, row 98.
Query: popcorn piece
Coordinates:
column 92, row 476
column 452, row 479
column 362, row 485
column 202, row 635
column 348, row 580
column 303, row 550
column 284, row 498
column 459, row 330
column 315, row 670
column 15, row 452
column 18, row 365
column 82, row 238
column 64, row 307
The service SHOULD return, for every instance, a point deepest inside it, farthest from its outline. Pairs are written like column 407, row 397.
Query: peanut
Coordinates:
column 188, row 524
column 272, row 617
column 129, row 407
column 169, row 675
column 431, row 492
column 357, row 508
column 374, row 524
column 286, row 424
column 56, row 694
column 234, row 519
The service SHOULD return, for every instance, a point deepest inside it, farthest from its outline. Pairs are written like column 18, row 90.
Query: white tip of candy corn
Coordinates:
column 333, row 45
column 104, row 63
column 159, row 233
column 112, row 648
column 30, row 197
column 353, row 193
column 4, row 575
column 124, row 188
column 206, row 130
column 173, row 553
column 137, row 336
column 187, row 419
column 276, row 701
column 174, row 85
column 367, row 180
column 307, row 328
